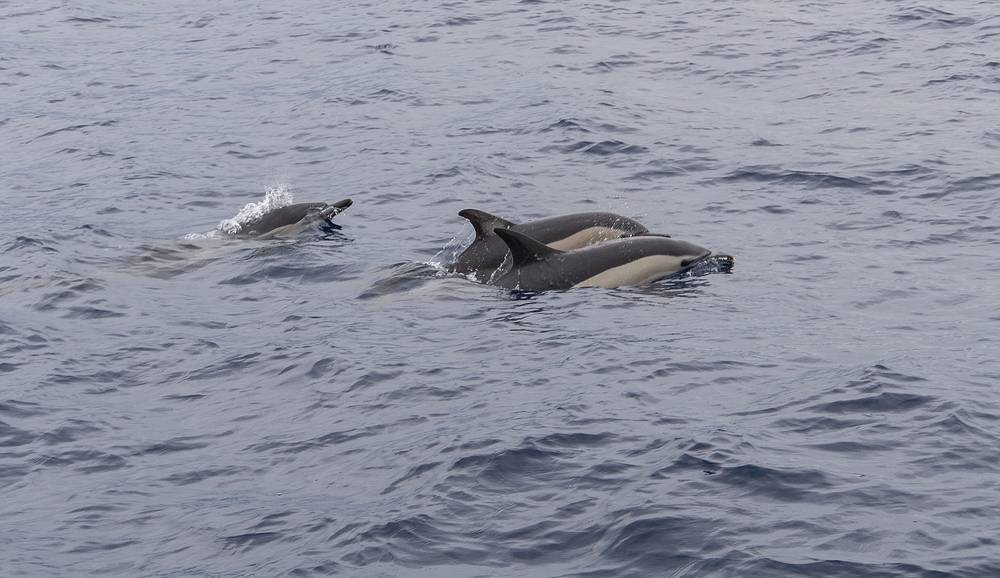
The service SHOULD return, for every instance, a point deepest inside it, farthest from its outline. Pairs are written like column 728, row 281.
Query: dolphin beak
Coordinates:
column 333, row 210
column 688, row 263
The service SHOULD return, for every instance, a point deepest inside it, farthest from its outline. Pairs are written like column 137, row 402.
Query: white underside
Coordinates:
column 638, row 272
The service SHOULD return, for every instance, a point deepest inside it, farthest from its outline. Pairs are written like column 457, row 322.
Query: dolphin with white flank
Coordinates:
column 565, row 232
column 629, row 261
column 293, row 219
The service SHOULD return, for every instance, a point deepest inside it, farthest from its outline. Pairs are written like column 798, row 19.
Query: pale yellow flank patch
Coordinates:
column 586, row 237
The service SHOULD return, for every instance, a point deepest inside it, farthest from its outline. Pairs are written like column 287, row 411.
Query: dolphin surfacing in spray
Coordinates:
column 292, row 219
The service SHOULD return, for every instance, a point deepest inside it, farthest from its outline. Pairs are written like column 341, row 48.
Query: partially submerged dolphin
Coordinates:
column 629, row 261
column 565, row 232
column 293, row 219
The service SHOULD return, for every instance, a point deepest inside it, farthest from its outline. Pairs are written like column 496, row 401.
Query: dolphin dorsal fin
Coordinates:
column 523, row 248
column 483, row 222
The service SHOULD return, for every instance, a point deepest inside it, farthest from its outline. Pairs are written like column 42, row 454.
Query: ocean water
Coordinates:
column 175, row 402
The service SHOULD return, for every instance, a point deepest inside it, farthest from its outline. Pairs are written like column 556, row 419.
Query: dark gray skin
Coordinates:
column 629, row 261
column 293, row 218
column 487, row 252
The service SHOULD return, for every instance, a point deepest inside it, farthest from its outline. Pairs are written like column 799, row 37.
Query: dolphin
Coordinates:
column 487, row 252
column 293, row 219
column 628, row 261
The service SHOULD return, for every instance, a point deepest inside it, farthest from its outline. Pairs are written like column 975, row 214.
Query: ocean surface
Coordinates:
column 177, row 402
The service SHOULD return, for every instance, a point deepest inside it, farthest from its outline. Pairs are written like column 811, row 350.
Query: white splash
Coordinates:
column 451, row 250
column 274, row 198
column 203, row 236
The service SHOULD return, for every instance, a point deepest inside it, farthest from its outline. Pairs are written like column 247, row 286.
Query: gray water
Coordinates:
column 176, row 403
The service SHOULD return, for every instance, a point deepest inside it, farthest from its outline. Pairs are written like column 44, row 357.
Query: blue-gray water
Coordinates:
column 173, row 404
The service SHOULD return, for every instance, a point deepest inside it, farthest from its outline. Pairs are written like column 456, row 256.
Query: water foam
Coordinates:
column 274, row 198
column 214, row 234
column 452, row 250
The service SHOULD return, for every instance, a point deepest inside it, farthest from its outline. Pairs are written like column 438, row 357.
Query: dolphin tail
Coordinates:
column 483, row 222
column 525, row 249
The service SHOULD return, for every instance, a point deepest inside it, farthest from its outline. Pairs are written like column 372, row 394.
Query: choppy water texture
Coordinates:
column 176, row 403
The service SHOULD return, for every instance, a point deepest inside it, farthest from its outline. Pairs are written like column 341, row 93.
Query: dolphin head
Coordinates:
column 334, row 209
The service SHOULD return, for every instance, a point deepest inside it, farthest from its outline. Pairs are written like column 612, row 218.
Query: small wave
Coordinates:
column 390, row 95
column 85, row 20
column 782, row 484
column 82, row 312
column 249, row 541
column 92, row 547
column 402, row 278
column 254, row 157
column 415, row 541
column 975, row 183
column 953, row 78
column 614, row 62
column 274, row 198
column 165, row 261
column 932, row 18
column 520, row 467
column 74, row 128
column 566, row 124
column 299, row 273
column 765, row 566
column 886, row 402
column 871, row 46
column 68, row 290
column 11, row 436
column 811, row 180
column 652, row 174
column 195, row 476
column 22, row 243
column 317, row 442
column 413, row 472
column 9, row 367
column 460, row 21
column 603, row 148
column 661, row 545
column 85, row 461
